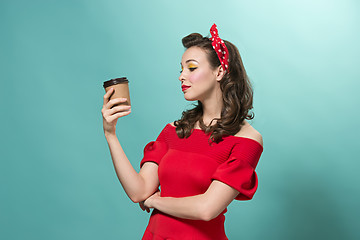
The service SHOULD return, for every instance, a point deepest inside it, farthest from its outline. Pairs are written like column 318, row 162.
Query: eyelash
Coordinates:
column 191, row 69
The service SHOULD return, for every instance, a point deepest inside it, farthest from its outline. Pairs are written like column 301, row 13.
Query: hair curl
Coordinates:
column 237, row 94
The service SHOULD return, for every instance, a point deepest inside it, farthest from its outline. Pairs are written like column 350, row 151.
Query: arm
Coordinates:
column 133, row 183
column 205, row 206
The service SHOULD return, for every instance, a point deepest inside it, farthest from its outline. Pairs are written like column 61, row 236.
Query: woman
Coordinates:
column 202, row 161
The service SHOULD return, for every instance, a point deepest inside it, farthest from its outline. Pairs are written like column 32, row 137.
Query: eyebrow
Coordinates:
column 189, row 60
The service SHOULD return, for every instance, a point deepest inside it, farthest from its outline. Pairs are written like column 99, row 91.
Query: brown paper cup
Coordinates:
column 121, row 87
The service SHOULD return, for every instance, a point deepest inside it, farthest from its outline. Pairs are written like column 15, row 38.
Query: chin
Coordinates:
column 189, row 98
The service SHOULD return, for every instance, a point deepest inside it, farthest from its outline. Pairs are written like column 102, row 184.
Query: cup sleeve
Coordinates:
column 154, row 152
column 238, row 171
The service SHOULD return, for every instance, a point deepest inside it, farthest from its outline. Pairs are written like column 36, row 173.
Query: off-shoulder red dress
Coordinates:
column 186, row 168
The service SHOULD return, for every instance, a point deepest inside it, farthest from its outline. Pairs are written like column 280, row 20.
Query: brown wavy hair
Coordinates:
column 237, row 94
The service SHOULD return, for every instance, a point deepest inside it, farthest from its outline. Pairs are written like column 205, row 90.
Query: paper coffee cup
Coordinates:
column 121, row 87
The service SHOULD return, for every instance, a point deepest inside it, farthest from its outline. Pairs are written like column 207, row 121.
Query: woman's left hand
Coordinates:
column 148, row 203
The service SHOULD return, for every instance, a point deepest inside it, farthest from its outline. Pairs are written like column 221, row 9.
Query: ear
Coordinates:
column 220, row 72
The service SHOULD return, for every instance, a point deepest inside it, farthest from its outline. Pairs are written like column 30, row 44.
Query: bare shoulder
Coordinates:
column 249, row 131
column 172, row 124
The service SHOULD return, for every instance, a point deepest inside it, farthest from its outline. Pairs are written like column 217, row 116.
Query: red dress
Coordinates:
column 186, row 168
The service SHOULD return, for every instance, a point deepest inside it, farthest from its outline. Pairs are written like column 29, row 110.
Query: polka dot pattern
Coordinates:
column 219, row 47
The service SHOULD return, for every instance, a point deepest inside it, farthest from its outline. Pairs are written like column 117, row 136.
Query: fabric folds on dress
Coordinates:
column 154, row 151
column 239, row 170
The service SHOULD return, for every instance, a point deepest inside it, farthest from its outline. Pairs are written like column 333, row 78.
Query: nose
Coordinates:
column 182, row 77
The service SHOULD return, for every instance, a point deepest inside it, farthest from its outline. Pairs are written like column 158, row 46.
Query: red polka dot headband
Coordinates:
column 219, row 47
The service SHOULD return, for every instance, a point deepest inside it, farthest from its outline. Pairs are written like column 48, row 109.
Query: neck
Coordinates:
column 212, row 107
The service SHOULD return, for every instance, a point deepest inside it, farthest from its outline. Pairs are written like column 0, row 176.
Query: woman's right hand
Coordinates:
column 112, row 114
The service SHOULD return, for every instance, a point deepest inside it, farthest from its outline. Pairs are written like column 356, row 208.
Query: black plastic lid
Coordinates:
column 115, row 81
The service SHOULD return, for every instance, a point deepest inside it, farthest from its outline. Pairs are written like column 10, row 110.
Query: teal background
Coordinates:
column 56, row 175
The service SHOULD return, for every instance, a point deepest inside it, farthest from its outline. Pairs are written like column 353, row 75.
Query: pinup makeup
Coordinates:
column 184, row 87
column 192, row 67
column 121, row 87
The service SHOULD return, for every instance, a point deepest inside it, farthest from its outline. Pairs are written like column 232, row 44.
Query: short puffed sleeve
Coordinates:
column 154, row 151
column 238, row 171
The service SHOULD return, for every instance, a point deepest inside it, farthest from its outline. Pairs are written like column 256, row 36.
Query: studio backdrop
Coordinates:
column 57, row 179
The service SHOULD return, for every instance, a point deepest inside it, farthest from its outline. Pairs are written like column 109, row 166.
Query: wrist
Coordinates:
column 109, row 134
column 154, row 202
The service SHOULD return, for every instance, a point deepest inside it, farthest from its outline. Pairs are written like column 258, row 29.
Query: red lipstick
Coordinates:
column 184, row 87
